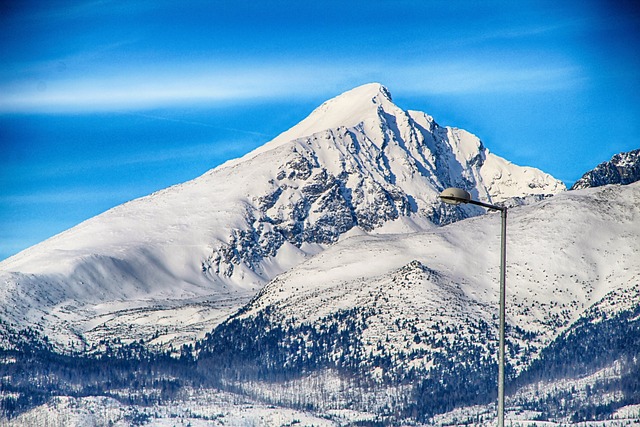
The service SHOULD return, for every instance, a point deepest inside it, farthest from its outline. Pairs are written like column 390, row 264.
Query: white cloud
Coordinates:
column 164, row 84
column 192, row 83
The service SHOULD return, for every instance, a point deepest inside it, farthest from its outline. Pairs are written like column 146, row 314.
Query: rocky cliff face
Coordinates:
column 359, row 163
column 623, row 168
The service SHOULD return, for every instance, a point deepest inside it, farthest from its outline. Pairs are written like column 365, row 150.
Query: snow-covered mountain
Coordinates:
column 310, row 275
column 396, row 329
column 414, row 315
column 169, row 267
column 623, row 168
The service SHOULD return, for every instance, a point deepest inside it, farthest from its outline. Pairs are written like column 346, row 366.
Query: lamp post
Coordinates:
column 456, row 196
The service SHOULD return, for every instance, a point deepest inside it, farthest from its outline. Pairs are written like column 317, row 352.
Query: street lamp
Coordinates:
column 456, row 196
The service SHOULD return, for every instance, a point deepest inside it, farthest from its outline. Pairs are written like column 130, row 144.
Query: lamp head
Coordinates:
column 455, row 196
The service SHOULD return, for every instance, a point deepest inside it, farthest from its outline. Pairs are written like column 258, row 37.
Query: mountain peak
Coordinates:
column 372, row 91
column 345, row 110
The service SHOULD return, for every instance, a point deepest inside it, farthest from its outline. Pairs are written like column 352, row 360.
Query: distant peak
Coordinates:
column 623, row 168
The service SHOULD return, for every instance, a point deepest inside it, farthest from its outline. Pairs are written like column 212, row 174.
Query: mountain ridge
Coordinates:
column 623, row 168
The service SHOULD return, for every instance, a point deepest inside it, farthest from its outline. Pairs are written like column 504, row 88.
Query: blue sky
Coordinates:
column 105, row 101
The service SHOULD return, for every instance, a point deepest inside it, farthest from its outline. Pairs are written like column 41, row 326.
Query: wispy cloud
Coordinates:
column 251, row 82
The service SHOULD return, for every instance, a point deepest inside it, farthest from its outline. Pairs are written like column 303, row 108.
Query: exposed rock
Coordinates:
column 623, row 168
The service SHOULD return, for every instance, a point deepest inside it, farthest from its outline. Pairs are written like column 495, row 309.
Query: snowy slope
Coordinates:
column 427, row 300
column 175, row 263
column 195, row 409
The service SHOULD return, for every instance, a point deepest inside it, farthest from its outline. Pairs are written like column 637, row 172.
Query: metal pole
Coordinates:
column 457, row 196
column 503, row 263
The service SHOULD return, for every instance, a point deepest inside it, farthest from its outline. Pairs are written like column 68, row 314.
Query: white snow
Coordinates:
column 197, row 408
column 564, row 255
